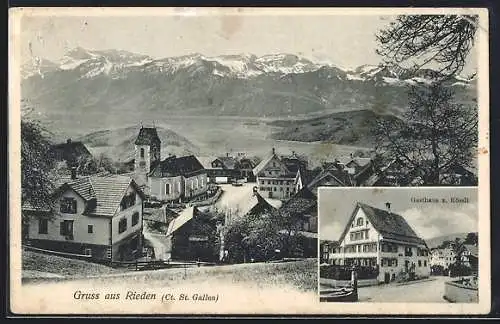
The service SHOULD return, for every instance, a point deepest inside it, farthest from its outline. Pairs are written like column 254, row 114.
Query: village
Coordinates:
column 178, row 209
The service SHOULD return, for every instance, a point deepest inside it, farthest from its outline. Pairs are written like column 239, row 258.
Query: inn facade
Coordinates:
column 382, row 239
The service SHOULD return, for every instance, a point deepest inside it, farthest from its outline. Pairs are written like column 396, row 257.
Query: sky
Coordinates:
column 346, row 41
column 428, row 220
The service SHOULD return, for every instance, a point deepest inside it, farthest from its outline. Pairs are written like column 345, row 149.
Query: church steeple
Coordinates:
column 147, row 150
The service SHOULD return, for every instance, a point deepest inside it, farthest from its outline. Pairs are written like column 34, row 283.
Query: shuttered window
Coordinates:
column 122, row 225
column 135, row 219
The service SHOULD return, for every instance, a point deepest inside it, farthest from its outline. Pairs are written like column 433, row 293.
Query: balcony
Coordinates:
column 353, row 255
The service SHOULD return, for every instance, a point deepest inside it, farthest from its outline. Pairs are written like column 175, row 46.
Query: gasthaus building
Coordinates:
column 382, row 239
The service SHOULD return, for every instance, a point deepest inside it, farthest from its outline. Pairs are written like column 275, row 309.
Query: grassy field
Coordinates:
column 300, row 274
column 39, row 262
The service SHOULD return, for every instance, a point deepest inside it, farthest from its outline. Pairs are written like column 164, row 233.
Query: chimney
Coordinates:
column 352, row 155
column 388, row 206
column 68, row 141
column 73, row 173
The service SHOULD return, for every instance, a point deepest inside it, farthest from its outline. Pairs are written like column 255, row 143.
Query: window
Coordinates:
column 88, row 252
column 90, row 229
column 167, row 189
column 359, row 222
column 135, row 219
column 196, row 183
column 202, row 182
column 122, row 225
column 128, row 201
column 262, row 182
column 142, row 152
column 68, row 205
column 274, row 188
column 66, row 228
column 425, row 263
column 178, row 187
column 43, row 226
column 352, row 236
column 419, row 263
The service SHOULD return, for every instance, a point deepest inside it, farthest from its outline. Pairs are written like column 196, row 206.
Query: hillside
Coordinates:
column 119, row 143
column 92, row 84
column 346, row 128
column 436, row 241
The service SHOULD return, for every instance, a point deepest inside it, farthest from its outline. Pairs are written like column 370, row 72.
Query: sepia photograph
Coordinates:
column 399, row 245
column 172, row 157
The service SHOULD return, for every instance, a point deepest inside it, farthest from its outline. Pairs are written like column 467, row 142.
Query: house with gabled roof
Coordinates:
column 70, row 151
column 384, row 240
column 276, row 175
column 177, row 178
column 302, row 208
column 96, row 216
column 194, row 235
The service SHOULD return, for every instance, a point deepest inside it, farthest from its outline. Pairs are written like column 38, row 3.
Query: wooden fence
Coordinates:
column 136, row 265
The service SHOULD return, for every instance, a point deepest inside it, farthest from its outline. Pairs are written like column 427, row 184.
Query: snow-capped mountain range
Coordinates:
column 245, row 85
column 92, row 63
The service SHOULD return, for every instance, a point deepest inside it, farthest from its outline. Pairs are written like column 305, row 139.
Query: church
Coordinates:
column 174, row 178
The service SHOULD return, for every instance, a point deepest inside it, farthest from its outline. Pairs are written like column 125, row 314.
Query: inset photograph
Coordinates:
column 415, row 244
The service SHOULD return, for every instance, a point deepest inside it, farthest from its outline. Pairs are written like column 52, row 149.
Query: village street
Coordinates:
column 429, row 291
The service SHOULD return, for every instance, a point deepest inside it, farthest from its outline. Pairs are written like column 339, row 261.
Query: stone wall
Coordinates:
column 457, row 293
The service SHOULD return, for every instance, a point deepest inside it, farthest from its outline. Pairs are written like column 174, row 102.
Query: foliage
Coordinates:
column 459, row 249
column 263, row 237
column 445, row 244
column 457, row 270
column 93, row 165
column 471, row 238
column 422, row 40
column 434, row 136
column 37, row 163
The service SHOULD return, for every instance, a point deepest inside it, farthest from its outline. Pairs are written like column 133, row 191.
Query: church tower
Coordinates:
column 147, row 150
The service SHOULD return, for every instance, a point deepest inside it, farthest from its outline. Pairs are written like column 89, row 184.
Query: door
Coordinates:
column 387, row 277
column 270, row 194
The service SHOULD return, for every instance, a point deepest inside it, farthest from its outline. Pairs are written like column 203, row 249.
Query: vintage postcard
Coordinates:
column 210, row 161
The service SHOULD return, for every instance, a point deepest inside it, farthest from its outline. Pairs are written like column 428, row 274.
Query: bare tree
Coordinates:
column 434, row 135
column 426, row 39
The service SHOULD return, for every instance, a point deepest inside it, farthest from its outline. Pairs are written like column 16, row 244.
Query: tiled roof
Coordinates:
column 83, row 187
column 175, row 166
column 390, row 225
column 264, row 162
column 292, row 163
column 70, row 150
column 301, row 202
column 185, row 216
column 109, row 192
column 147, row 136
column 473, row 249
column 258, row 205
